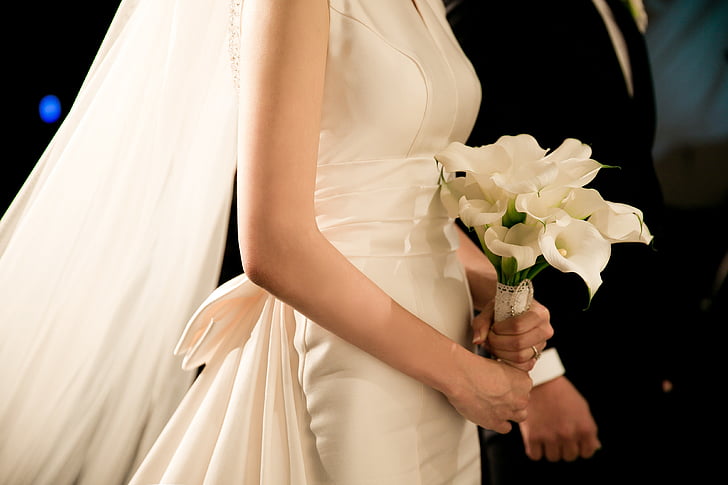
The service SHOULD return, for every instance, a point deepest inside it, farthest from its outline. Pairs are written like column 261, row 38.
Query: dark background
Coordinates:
column 48, row 49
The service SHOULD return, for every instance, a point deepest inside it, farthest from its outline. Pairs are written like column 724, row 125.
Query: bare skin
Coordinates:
column 283, row 55
column 560, row 425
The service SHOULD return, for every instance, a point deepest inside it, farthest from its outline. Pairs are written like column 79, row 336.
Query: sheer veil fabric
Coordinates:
column 114, row 240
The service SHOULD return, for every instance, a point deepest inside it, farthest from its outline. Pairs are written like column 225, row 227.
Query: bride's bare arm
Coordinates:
column 282, row 65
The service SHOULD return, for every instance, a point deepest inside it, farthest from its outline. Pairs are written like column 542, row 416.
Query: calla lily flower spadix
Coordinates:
column 531, row 210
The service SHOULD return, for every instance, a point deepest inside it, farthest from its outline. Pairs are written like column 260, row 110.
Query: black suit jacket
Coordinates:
column 549, row 69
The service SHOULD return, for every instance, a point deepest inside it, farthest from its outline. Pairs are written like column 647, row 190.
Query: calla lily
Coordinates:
column 487, row 159
column 521, row 147
column 527, row 177
column 519, row 242
column 514, row 163
column 532, row 169
column 528, row 169
column 530, row 208
column 463, row 197
column 576, row 168
column 581, row 203
column 620, row 223
column 577, row 247
column 570, row 149
column 544, row 205
column 474, row 212
column 577, row 172
column 482, row 187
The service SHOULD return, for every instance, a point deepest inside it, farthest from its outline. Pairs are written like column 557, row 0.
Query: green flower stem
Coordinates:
column 539, row 266
column 506, row 267
column 512, row 216
column 442, row 174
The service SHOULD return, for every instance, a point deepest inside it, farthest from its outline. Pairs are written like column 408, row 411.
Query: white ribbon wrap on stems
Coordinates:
column 512, row 300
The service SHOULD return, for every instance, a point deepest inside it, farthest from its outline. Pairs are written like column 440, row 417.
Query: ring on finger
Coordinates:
column 536, row 353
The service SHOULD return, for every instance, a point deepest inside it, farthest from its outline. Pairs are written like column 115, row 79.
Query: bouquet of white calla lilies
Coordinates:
column 531, row 210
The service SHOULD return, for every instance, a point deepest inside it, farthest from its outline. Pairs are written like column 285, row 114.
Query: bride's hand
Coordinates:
column 489, row 393
column 514, row 339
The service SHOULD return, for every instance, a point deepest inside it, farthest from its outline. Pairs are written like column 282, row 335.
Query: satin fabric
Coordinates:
column 282, row 400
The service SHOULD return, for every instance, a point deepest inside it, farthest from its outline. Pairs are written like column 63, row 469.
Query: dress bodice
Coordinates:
column 398, row 89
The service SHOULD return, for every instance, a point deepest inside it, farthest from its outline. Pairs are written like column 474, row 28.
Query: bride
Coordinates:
column 343, row 354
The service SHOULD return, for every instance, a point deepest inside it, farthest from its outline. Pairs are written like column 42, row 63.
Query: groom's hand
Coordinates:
column 560, row 425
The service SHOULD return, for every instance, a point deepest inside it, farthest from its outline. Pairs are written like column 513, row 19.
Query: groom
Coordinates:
column 552, row 69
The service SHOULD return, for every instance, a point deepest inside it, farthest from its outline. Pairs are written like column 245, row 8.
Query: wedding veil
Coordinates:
column 113, row 241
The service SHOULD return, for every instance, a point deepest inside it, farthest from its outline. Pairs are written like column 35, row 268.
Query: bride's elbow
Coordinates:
column 269, row 260
column 259, row 264
column 254, row 270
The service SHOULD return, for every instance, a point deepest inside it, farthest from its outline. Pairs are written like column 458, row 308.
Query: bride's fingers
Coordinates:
column 536, row 319
column 523, row 359
column 517, row 347
column 524, row 366
column 481, row 326
column 523, row 355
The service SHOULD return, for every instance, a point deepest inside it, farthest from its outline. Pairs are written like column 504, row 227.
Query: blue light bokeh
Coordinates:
column 49, row 108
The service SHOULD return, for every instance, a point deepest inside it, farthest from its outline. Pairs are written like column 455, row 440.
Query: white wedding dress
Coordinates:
column 281, row 400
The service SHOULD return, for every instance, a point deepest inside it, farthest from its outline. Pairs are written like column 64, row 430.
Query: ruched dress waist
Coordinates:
column 380, row 208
